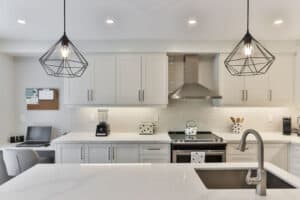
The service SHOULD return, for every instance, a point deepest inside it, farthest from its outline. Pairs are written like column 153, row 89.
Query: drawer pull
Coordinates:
column 153, row 149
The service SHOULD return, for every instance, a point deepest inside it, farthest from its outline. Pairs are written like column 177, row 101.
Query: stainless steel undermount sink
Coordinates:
column 235, row 179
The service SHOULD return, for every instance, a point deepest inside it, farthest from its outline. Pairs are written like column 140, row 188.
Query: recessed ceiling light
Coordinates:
column 192, row 21
column 278, row 22
column 109, row 21
column 21, row 21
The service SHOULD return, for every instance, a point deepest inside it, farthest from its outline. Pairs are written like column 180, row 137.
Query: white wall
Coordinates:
column 29, row 73
column 7, row 100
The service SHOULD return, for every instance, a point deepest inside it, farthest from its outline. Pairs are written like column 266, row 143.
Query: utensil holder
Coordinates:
column 237, row 128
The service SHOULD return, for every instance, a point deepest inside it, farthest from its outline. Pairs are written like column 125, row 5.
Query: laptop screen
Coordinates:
column 39, row 133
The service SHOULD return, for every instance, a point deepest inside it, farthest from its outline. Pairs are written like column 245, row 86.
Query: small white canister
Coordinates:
column 146, row 128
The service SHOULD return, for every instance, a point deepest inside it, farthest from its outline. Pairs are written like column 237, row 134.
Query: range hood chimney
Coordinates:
column 191, row 87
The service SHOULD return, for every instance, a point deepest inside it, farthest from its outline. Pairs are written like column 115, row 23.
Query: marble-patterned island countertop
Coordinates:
column 114, row 137
column 133, row 182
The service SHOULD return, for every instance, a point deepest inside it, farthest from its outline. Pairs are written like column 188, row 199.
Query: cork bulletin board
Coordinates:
column 42, row 98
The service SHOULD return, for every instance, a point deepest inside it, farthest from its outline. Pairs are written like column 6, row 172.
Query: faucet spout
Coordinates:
column 260, row 179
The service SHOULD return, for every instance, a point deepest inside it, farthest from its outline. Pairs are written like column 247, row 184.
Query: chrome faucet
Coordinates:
column 261, row 179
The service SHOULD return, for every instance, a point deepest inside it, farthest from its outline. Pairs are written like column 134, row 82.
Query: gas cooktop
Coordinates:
column 200, row 137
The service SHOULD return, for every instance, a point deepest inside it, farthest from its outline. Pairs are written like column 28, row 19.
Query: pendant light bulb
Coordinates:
column 248, row 49
column 65, row 50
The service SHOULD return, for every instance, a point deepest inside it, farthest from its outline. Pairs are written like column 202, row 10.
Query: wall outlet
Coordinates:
column 270, row 118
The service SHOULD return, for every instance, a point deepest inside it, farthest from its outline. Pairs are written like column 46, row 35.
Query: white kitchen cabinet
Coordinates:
column 104, row 80
column 129, row 79
column 281, row 75
column 294, row 166
column 257, row 90
column 77, row 91
column 155, row 153
column 235, row 155
column 275, row 88
column 276, row 154
column 125, row 153
column 70, row 153
column 232, row 88
column 112, row 153
column 98, row 153
column 154, row 79
column 120, row 79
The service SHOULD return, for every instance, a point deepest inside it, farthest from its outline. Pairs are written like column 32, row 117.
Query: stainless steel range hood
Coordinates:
column 191, row 88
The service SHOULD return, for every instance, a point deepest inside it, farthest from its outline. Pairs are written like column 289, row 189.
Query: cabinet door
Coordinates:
column 277, row 154
column 128, row 79
column 77, row 90
column 295, row 159
column 70, row 153
column 155, row 79
column 98, row 153
column 281, row 79
column 231, row 87
column 125, row 153
column 104, row 85
column 257, row 90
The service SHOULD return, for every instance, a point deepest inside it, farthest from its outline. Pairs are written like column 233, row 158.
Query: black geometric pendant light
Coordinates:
column 249, row 57
column 63, row 59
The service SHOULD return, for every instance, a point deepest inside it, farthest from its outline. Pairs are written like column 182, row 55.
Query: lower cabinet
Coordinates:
column 112, row 153
column 125, row 153
column 295, row 159
column 98, row 153
column 276, row 154
column 70, row 153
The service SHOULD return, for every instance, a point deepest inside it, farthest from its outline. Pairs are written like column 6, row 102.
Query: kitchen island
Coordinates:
column 133, row 182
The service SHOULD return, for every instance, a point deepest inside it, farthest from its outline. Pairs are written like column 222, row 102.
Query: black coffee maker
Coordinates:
column 286, row 126
column 103, row 127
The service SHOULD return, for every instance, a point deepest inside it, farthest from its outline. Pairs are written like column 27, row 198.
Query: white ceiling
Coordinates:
column 149, row 19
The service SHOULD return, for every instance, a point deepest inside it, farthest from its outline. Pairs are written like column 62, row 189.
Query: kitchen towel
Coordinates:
column 197, row 157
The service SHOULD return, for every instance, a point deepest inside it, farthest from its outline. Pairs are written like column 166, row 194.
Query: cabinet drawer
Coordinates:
column 250, row 149
column 155, row 158
column 154, row 149
column 242, row 158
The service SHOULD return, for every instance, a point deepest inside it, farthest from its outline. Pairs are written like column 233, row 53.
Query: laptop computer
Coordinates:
column 37, row 136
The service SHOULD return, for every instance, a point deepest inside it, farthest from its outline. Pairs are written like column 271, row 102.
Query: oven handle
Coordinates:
column 207, row 152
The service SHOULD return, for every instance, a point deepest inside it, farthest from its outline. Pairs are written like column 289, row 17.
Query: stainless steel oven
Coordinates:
column 184, row 156
column 183, row 145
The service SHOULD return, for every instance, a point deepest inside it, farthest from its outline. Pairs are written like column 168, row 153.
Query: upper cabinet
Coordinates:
column 78, row 90
column 120, row 79
column 275, row 88
column 104, row 80
column 129, row 79
column 155, row 79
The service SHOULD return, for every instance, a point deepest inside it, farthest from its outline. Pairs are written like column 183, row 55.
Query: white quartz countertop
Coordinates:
column 268, row 137
column 132, row 182
column 79, row 137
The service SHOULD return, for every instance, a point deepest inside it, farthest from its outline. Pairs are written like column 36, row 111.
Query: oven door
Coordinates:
column 184, row 156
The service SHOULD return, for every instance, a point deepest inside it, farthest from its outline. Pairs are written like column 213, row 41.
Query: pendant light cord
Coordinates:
column 247, row 16
column 64, row 16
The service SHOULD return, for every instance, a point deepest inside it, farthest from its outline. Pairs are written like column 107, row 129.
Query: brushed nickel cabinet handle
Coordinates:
column 88, row 95
column 153, row 149
column 243, row 95
column 108, row 153
column 246, row 91
column 92, row 95
column 143, row 93
column 270, row 95
column 139, row 95
column 113, row 153
column 81, row 152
